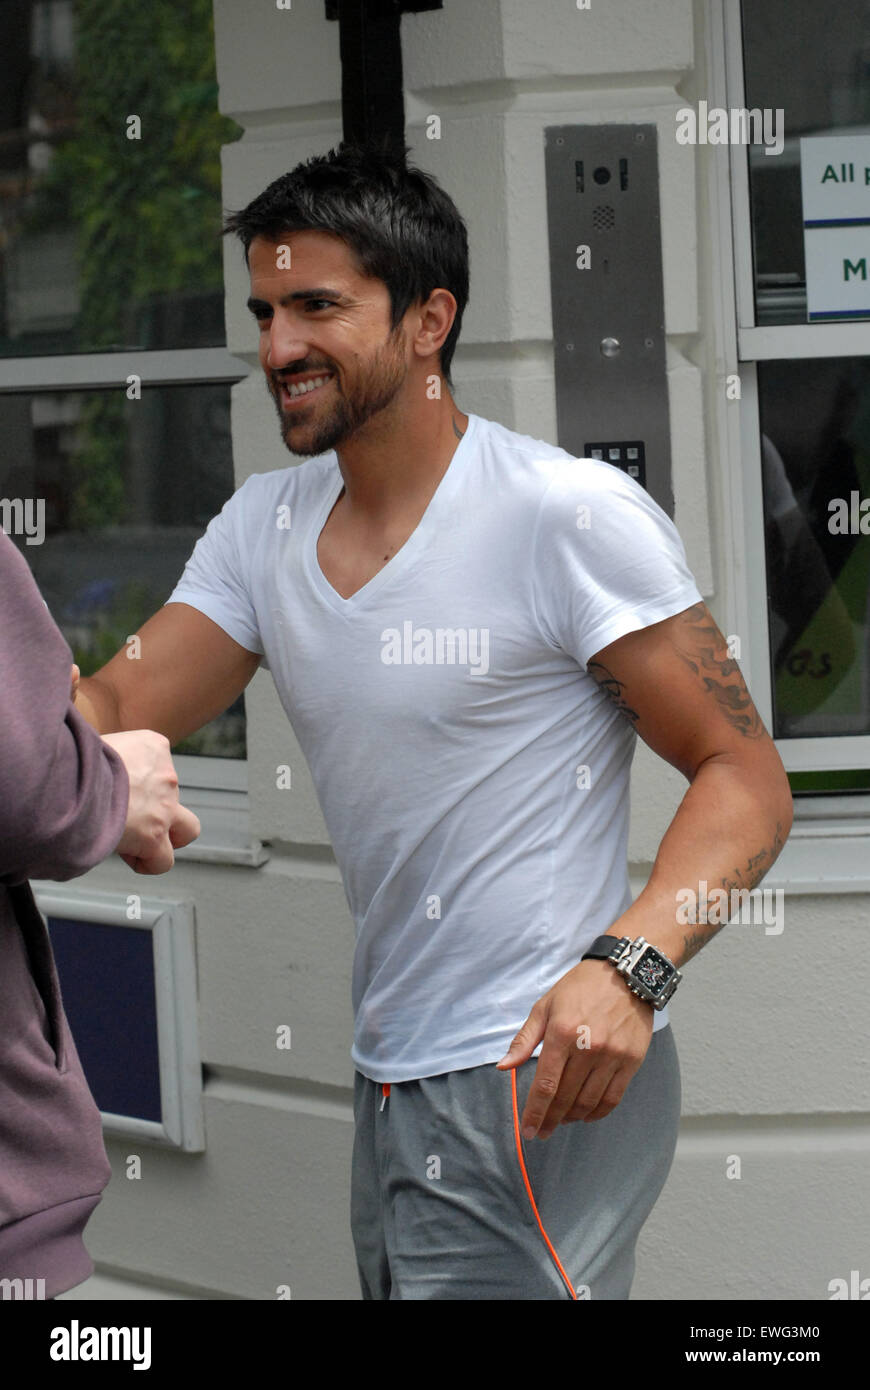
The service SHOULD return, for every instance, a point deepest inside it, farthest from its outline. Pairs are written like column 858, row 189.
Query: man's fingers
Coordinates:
column 526, row 1039
column 600, row 1094
column 184, row 828
column 160, row 858
column 571, row 1084
column 550, row 1093
column 160, row 862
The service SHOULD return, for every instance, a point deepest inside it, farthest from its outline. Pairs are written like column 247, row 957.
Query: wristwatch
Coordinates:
column 647, row 971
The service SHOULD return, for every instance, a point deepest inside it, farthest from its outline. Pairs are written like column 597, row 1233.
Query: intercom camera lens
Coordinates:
column 601, row 175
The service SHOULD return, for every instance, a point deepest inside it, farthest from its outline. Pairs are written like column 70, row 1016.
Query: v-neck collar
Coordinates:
column 407, row 553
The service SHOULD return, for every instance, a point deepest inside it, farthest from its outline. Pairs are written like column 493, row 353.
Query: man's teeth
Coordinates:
column 298, row 388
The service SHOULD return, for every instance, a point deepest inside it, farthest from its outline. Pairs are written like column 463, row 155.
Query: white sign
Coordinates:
column 835, row 189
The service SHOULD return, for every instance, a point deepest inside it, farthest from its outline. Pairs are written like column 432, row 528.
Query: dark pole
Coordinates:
column 372, row 98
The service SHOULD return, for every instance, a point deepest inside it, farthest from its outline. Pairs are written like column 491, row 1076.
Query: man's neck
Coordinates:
column 398, row 459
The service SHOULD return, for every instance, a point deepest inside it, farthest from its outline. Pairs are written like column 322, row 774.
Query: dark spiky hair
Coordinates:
column 401, row 226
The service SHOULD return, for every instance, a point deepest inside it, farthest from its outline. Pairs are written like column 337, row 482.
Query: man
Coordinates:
column 466, row 627
column 67, row 799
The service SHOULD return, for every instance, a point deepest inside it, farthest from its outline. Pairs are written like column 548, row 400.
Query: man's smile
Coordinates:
column 293, row 391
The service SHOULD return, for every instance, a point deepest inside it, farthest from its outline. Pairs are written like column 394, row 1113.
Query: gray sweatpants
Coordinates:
column 441, row 1206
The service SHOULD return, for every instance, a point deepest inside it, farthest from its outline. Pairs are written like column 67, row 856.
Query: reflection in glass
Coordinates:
column 813, row 61
column 815, row 431
column 124, row 489
column 110, row 204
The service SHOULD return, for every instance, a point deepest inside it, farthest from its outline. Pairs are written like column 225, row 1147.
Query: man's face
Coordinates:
column 323, row 322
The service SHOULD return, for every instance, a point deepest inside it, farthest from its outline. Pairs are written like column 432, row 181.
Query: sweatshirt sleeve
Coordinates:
column 63, row 791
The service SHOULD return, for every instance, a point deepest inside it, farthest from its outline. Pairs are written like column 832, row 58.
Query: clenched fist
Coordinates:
column 157, row 824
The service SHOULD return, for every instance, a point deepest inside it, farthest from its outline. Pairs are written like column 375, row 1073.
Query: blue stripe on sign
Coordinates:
column 838, row 222
column 841, row 314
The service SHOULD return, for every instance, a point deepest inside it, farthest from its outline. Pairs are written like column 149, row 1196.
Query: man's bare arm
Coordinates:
column 187, row 672
column 677, row 686
column 687, row 699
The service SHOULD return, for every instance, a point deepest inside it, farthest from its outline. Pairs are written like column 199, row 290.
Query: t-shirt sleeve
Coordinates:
column 607, row 560
column 216, row 578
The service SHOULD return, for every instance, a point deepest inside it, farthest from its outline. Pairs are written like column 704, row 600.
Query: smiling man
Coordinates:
column 359, row 307
column 505, row 986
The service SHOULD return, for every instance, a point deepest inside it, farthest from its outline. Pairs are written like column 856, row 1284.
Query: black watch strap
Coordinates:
column 603, row 946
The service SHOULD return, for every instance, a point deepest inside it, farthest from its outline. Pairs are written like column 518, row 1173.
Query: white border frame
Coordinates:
column 171, row 924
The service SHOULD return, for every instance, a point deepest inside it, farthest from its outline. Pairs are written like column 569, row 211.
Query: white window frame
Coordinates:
column 215, row 788
column 171, row 924
column 828, row 850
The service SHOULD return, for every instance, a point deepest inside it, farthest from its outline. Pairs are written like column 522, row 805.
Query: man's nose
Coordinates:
column 286, row 344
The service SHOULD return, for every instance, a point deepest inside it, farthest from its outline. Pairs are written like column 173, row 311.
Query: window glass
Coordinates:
column 812, row 62
column 106, row 497
column 110, row 208
column 815, row 451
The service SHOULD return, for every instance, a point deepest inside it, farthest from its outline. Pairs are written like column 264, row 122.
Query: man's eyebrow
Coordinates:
column 259, row 305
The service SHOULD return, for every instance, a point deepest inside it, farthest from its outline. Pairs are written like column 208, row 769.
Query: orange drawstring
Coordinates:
column 558, row 1262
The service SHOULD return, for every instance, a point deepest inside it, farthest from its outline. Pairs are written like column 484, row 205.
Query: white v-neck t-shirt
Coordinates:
column 473, row 776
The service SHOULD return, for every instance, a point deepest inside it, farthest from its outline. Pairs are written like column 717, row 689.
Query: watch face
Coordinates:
column 653, row 971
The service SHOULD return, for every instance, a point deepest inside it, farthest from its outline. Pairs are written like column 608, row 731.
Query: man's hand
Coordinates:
column 156, row 822
column 582, row 1072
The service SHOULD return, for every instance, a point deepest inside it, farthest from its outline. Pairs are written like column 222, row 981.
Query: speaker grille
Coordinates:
column 603, row 217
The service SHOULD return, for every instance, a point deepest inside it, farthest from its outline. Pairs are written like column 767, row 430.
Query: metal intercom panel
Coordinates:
column 608, row 299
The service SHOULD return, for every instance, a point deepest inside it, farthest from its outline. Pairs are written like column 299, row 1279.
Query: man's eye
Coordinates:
column 313, row 303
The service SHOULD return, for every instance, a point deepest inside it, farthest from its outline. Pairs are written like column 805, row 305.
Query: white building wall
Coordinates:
column 766, row 1025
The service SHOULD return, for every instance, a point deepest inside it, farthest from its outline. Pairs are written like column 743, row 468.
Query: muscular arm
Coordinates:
column 686, row 697
column 189, row 671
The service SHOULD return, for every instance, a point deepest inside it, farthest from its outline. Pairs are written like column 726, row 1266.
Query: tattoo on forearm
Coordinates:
column 756, row 867
column 693, row 942
column 612, row 687
column 700, row 646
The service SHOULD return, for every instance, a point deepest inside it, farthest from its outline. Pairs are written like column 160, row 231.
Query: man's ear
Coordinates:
column 435, row 318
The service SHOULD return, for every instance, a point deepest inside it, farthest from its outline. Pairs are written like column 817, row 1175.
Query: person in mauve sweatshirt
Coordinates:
column 68, row 798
